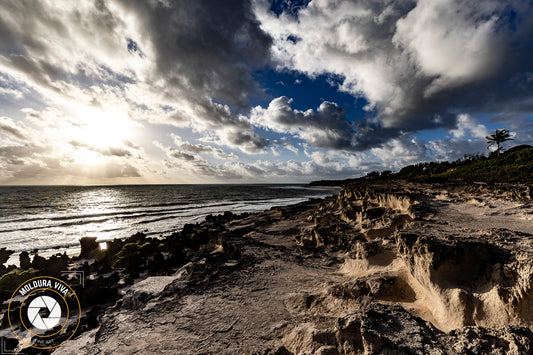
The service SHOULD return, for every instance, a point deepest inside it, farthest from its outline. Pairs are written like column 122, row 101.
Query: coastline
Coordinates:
column 62, row 215
column 299, row 278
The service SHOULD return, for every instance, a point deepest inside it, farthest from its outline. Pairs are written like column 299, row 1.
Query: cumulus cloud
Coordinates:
column 327, row 127
column 466, row 125
column 416, row 62
column 94, row 83
column 176, row 62
column 399, row 152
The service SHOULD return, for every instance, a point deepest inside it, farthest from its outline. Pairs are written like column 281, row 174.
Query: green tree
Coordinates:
column 499, row 137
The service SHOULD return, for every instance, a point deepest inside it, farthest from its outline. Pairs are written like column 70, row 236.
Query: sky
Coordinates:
column 255, row 91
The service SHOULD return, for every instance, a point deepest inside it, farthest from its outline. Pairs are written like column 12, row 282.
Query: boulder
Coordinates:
column 89, row 247
column 4, row 255
column 24, row 260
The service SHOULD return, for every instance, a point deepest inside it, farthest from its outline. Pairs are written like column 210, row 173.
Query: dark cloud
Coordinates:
column 205, row 51
column 202, row 149
column 205, row 46
column 182, row 156
column 327, row 127
column 418, row 63
column 19, row 151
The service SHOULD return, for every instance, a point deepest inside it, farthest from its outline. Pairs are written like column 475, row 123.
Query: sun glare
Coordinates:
column 96, row 132
column 104, row 129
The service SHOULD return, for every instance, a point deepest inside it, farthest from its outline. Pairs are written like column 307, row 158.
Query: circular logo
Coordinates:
column 50, row 306
column 44, row 312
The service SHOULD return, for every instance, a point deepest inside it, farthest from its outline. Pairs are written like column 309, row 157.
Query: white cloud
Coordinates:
column 327, row 127
column 12, row 129
column 399, row 152
column 466, row 126
column 454, row 41
column 412, row 60
column 89, row 85
column 201, row 148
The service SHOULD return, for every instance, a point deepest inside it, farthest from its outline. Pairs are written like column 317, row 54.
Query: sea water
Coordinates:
column 52, row 219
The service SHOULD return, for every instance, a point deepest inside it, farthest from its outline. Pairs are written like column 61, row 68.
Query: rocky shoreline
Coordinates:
column 383, row 267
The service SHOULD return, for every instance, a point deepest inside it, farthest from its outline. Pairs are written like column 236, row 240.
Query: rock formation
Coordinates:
column 381, row 268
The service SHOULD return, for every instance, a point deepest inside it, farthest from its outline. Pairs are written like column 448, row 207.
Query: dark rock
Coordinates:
column 98, row 295
column 131, row 256
column 39, row 262
column 137, row 237
column 379, row 329
column 4, row 296
column 51, row 266
column 4, row 255
column 89, row 247
column 24, row 260
column 15, row 277
column 57, row 263
column 156, row 263
column 34, row 351
column 113, row 247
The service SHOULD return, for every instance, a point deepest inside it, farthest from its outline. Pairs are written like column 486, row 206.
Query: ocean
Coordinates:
column 52, row 219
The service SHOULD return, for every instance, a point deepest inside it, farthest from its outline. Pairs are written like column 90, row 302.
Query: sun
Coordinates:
column 101, row 129
column 95, row 135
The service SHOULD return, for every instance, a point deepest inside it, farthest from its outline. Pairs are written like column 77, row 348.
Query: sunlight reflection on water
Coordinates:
column 53, row 218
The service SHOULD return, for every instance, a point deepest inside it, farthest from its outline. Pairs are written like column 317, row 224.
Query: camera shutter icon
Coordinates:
column 54, row 312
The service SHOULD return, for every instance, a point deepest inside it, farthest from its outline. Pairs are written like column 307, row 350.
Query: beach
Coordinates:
column 51, row 219
column 393, row 266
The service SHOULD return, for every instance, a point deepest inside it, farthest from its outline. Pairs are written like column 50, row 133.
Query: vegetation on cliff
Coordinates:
column 514, row 166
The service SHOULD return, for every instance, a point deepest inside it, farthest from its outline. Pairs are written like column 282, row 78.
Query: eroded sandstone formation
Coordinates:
column 414, row 272
column 381, row 268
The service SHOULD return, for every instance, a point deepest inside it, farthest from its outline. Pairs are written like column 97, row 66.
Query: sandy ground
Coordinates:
column 251, row 309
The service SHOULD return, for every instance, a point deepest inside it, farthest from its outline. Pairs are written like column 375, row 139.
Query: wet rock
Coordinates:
column 51, row 266
column 89, row 247
column 24, row 260
column 4, row 255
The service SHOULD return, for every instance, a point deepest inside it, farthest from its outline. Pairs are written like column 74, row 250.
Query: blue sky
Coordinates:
column 116, row 91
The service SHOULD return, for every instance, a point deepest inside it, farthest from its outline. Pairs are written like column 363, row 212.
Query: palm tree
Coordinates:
column 499, row 137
